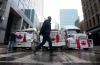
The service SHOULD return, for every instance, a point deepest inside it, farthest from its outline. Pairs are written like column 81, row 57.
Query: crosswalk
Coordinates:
column 41, row 57
column 10, row 54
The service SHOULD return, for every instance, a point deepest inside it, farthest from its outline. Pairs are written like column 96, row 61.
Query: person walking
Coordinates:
column 11, row 41
column 45, row 32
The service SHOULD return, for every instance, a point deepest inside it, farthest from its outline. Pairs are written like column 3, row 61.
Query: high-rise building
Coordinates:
column 39, row 13
column 77, row 22
column 16, row 15
column 39, row 9
column 91, row 9
column 68, row 17
column 82, row 26
column 57, row 26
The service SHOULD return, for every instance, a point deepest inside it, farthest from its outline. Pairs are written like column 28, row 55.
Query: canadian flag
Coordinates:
column 24, row 39
column 89, row 42
column 78, row 43
column 19, row 37
column 57, row 38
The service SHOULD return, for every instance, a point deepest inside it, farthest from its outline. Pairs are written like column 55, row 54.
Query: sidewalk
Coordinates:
column 96, row 49
column 3, row 48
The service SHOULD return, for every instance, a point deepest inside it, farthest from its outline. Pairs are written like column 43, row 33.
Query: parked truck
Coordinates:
column 79, row 41
column 25, row 38
column 58, row 40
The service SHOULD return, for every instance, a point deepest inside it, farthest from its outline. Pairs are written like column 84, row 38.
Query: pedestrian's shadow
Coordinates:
column 43, row 56
column 50, row 57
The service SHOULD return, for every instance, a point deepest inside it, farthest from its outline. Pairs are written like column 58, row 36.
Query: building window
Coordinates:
column 87, row 25
column 25, row 25
column 28, row 12
column 99, row 33
column 32, row 15
column 17, row 2
column 90, row 2
column 90, row 24
column 93, row 21
column 95, row 7
column 21, row 6
column 85, row 15
column 98, row 19
column 88, row 13
column 91, row 11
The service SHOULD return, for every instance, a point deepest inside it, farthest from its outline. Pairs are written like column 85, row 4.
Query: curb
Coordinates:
column 97, row 52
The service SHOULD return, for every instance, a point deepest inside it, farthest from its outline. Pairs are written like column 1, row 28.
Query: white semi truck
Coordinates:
column 24, row 38
column 79, row 41
column 58, row 40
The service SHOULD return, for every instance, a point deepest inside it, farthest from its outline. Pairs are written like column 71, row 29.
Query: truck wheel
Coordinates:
column 61, row 48
column 86, row 48
column 14, row 48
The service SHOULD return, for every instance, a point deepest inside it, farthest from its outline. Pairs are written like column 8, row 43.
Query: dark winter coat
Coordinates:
column 46, row 28
column 12, row 37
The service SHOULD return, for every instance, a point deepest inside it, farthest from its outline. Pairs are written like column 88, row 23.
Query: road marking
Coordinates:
column 10, row 54
column 63, row 58
column 74, row 59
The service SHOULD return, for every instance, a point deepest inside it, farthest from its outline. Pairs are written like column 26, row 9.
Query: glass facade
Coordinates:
column 68, row 17
column 30, row 14
column 26, row 6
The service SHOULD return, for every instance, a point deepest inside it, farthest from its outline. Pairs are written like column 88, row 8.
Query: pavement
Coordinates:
column 70, row 57
column 3, row 48
column 66, row 57
column 96, row 49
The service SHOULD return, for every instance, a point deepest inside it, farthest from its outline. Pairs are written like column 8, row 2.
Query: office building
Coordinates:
column 82, row 26
column 39, row 9
column 91, row 11
column 77, row 22
column 16, row 15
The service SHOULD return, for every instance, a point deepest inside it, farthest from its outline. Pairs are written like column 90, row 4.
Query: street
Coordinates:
column 73, row 57
column 70, row 26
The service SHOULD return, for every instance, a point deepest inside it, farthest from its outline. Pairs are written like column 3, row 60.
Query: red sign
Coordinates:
column 83, row 42
column 57, row 38
column 19, row 36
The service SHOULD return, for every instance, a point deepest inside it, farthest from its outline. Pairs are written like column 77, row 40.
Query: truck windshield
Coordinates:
column 82, row 37
column 30, row 32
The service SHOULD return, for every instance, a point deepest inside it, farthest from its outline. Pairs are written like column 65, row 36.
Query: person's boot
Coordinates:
column 35, row 50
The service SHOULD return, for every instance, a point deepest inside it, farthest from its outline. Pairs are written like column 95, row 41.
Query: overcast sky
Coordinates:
column 52, row 8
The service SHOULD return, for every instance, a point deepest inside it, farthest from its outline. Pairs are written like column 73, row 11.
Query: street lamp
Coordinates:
column 1, row 19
